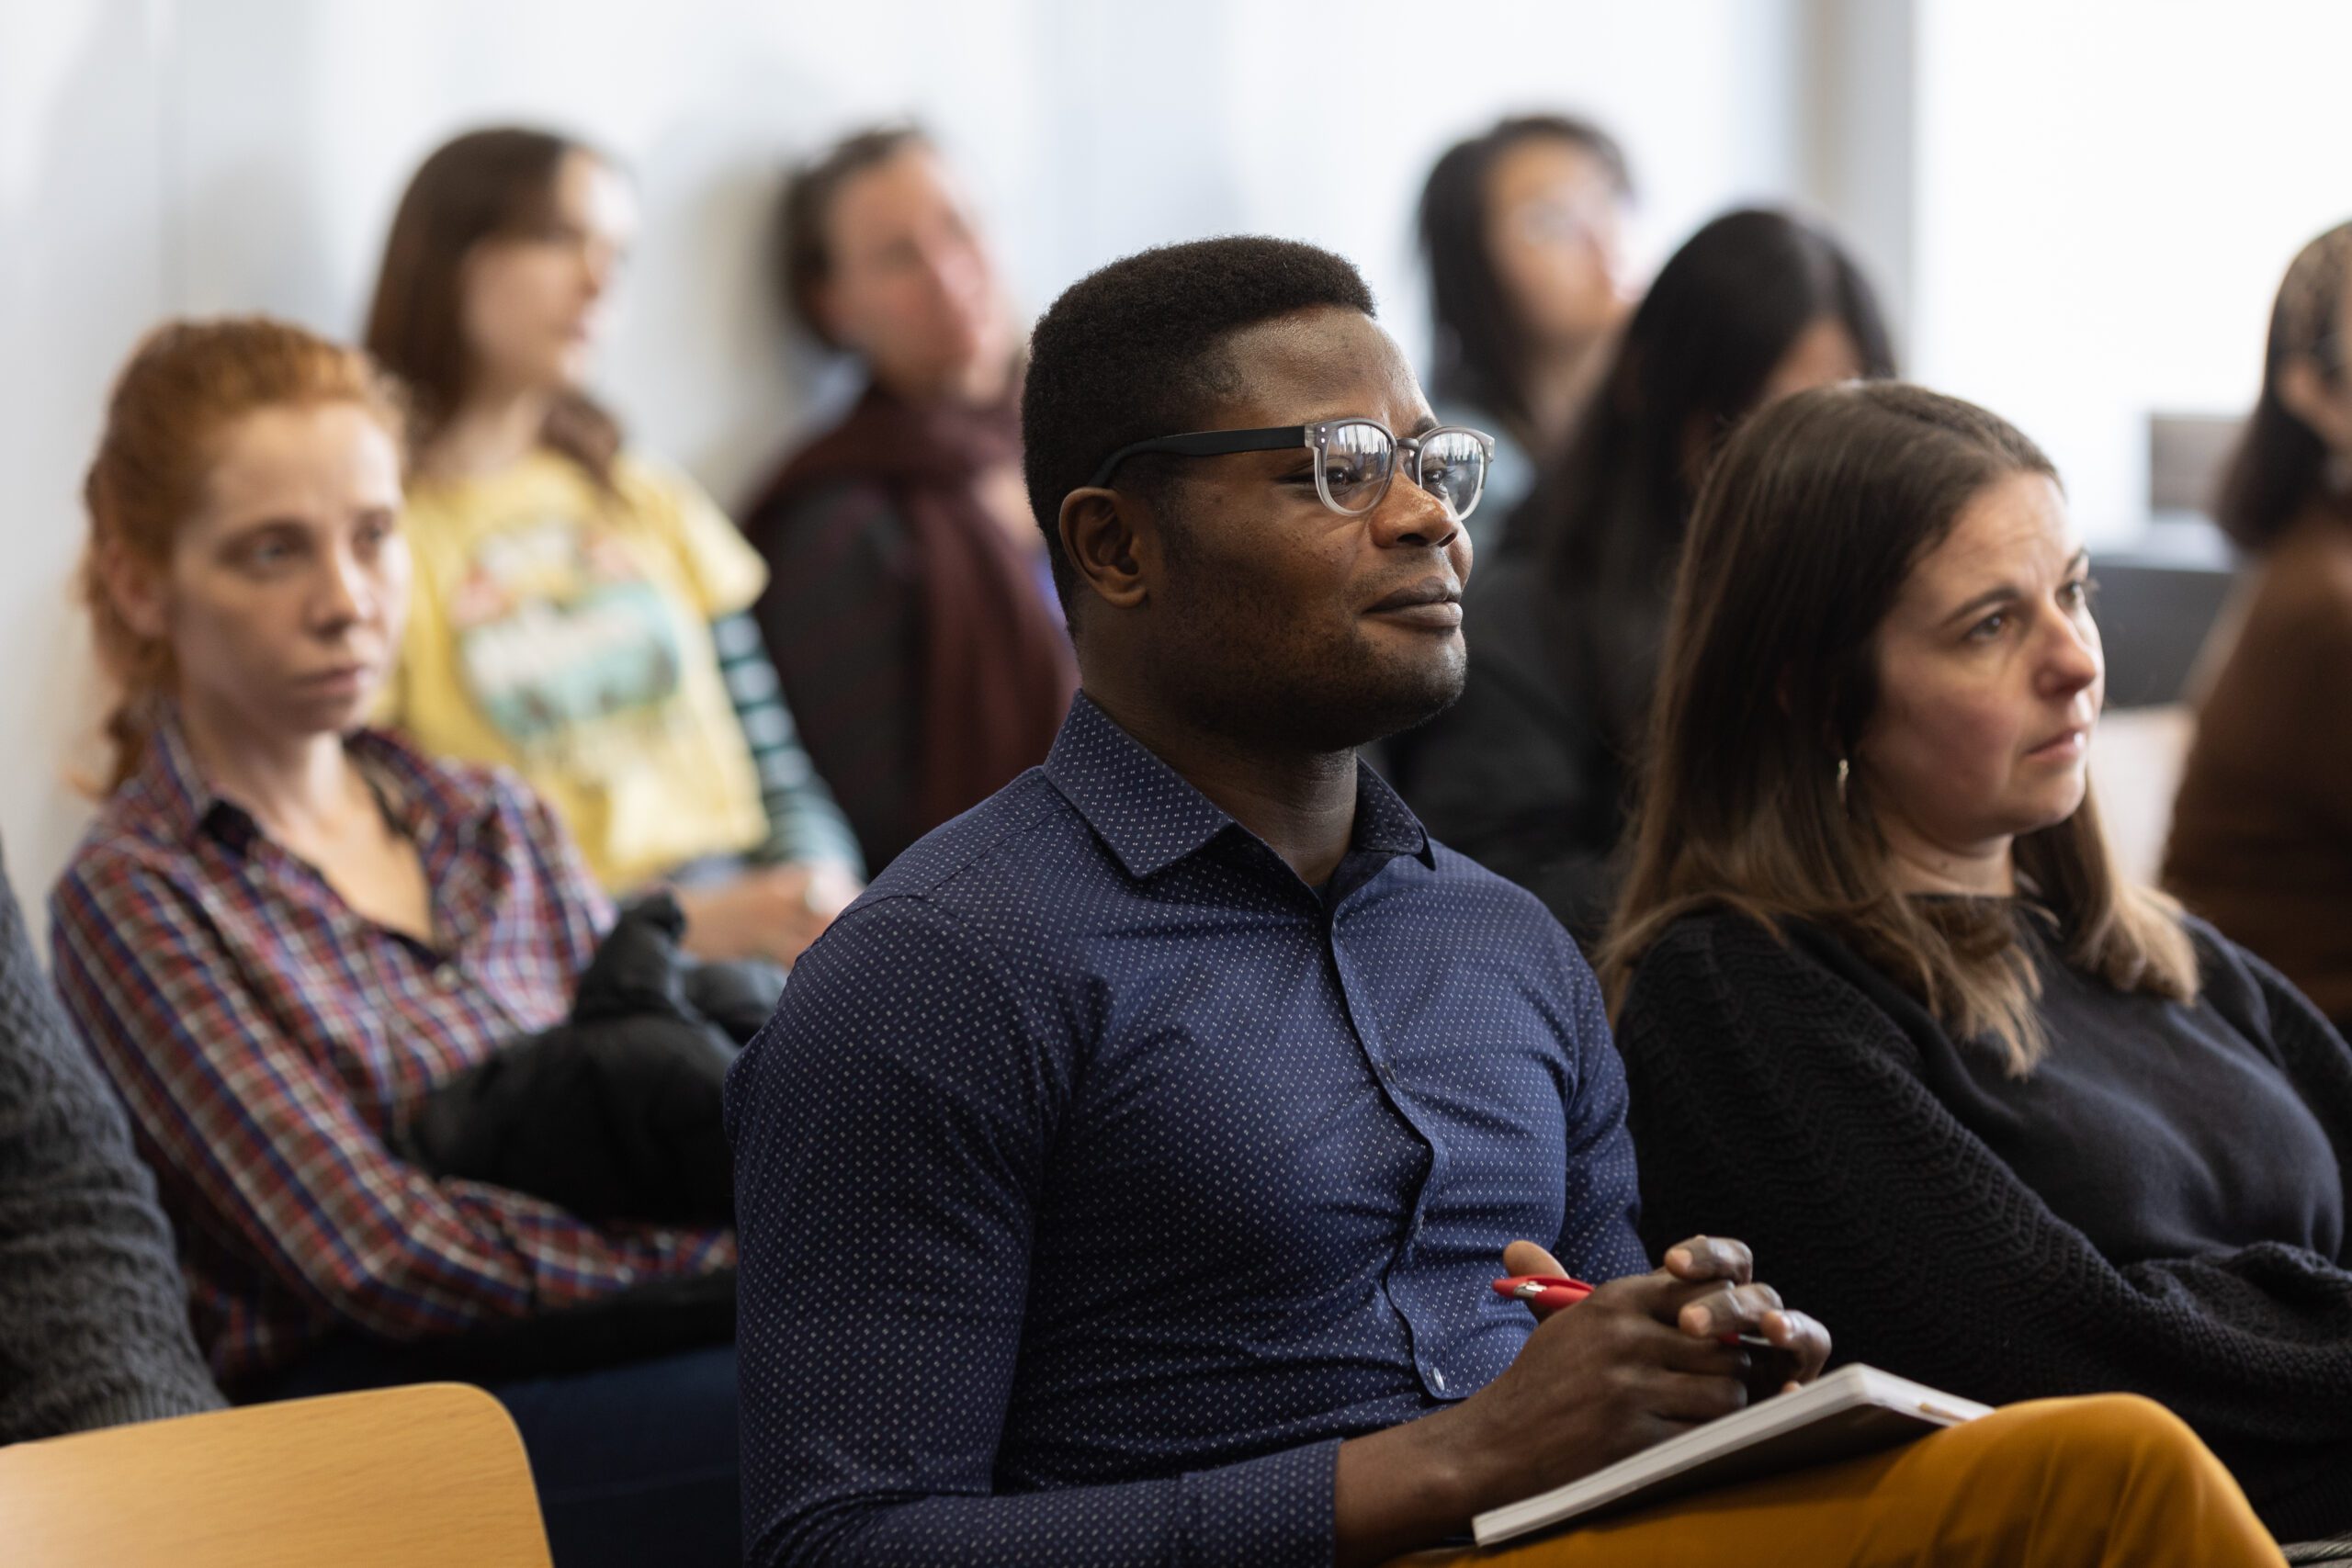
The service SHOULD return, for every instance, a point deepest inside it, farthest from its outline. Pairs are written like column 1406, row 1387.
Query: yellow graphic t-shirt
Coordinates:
column 565, row 632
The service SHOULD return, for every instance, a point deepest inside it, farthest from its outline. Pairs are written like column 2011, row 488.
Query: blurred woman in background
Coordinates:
column 579, row 610
column 909, row 608
column 1528, row 772
column 1523, row 232
column 2262, row 829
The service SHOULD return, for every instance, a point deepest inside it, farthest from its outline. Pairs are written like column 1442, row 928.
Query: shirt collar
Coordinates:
column 419, row 795
column 1151, row 817
column 168, row 782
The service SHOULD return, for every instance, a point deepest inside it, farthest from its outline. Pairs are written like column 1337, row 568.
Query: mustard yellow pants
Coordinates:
column 2110, row 1481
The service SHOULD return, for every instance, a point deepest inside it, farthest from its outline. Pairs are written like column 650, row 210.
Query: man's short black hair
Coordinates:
column 1136, row 350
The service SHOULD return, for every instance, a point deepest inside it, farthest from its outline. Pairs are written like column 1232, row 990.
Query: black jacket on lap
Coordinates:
column 2181, row 1235
column 616, row 1112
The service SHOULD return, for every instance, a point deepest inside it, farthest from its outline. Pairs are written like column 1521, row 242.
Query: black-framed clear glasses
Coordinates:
column 1354, row 460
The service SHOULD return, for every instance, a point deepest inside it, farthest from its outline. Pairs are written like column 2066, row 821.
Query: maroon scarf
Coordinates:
column 997, row 668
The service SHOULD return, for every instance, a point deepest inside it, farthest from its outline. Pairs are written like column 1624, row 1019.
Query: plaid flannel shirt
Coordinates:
column 269, row 1041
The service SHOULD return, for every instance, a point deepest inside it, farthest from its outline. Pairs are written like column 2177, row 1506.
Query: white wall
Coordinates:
column 169, row 155
column 2106, row 196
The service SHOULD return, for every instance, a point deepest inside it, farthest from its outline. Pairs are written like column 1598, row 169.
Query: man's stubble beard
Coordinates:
column 1282, row 704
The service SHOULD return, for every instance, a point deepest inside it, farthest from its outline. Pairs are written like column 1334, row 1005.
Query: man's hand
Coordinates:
column 1639, row 1360
column 1756, row 1309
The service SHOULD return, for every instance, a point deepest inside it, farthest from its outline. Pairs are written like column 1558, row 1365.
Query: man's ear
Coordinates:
column 137, row 589
column 2305, row 391
column 1109, row 537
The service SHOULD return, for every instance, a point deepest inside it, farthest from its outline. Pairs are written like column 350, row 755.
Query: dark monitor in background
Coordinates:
column 2159, row 598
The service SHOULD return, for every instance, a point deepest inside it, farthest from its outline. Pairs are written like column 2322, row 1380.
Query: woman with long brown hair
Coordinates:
column 1891, row 1014
column 288, row 929
column 581, row 611
column 2262, row 830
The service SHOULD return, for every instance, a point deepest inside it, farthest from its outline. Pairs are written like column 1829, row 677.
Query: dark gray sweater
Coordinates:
column 93, row 1327
column 2159, row 1210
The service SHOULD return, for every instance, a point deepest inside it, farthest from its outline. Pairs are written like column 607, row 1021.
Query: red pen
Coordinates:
column 1547, row 1291
column 1552, row 1292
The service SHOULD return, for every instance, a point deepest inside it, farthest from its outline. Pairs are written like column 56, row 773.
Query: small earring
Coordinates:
column 1844, row 771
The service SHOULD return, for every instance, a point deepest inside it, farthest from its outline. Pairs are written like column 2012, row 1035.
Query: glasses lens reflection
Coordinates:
column 1357, row 456
column 1454, row 468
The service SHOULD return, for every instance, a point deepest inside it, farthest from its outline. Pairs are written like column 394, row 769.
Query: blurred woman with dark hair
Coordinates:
column 2262, row 830
column 909, row 608
column 1882, row 992
column 580, row 611
column 1528, row 772
column 1523, row 230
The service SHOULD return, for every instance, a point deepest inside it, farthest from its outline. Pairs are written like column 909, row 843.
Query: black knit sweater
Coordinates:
column 1788, row 1094
column 94, row 1328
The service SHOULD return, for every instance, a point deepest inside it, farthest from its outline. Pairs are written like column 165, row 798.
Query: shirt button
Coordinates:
column 665, row 1240
column 446, row 977
column 1437, row 1379
column 626, row 1274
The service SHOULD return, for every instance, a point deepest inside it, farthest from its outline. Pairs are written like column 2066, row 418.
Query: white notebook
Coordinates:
column 1851, row 1411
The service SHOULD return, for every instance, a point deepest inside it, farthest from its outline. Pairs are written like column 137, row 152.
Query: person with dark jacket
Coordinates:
column 1889, row 1012
column 2262, row 828
column 94, row 1328
column 908, row 607
column 1528, row 773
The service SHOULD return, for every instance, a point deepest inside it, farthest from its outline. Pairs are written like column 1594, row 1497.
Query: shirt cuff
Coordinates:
column 1275, row 1511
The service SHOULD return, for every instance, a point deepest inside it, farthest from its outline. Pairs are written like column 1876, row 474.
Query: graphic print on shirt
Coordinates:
column 566, row 645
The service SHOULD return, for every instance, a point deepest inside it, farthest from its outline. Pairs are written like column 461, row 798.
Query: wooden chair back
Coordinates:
column 429, row 1476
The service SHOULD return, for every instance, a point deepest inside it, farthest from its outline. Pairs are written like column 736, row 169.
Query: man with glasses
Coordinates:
column 1122, row 1179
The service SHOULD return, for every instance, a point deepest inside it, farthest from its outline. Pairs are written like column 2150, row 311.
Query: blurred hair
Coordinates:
column 804, row 216
column 1819, row 512
column 1136, row 350
column 2279, row 465
column 1609, row 515
column 484, row 187
column 186, row 383
column 1479, row 345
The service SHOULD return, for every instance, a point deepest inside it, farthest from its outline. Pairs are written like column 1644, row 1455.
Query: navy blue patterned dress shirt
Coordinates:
column 1097, row 1176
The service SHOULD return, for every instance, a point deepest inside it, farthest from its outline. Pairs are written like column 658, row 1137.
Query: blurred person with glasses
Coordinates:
column 1122, row 1177
column 908, row 607
column 1523, row 228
